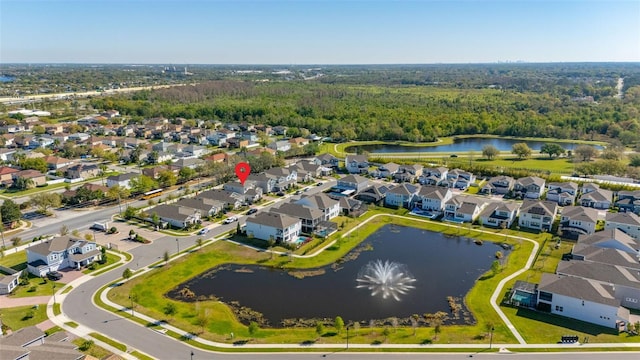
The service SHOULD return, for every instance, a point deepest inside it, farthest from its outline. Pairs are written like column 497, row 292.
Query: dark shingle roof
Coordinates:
column 577, row 288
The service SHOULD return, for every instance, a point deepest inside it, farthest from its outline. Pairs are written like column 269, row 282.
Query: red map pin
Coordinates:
column 242, row 171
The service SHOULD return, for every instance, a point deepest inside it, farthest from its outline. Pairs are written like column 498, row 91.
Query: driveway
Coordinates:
column 121, row 240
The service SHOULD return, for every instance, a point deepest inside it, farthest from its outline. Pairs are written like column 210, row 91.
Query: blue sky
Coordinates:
column 318, row 32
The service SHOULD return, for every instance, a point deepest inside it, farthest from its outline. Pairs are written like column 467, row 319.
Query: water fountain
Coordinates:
column 388, row 279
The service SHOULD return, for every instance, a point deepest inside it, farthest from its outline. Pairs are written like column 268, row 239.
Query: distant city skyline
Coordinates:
column 318, row 32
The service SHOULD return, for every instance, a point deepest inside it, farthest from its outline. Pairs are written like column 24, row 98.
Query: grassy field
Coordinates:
column 92, row 350
column 111, row 259
column 154, row 285
column 36, row 287
column 23, row 316
column 15, row 260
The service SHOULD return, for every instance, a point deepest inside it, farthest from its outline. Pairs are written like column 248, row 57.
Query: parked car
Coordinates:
column 252, row 211
column 280, row 193
column 319, row 184
column 229, row 220
column 203, row 231
column 54, row 275
column 298, row 192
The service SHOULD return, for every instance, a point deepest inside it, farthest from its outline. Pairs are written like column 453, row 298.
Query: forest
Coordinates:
column 554, row 102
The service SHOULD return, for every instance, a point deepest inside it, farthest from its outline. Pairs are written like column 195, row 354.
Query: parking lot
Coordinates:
column 120, row 240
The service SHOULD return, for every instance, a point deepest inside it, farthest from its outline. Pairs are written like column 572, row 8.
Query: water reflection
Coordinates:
column 388, row 279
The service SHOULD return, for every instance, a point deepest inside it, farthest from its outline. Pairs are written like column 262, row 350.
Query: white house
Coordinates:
column 433, row 176
column 464, row 208
column 498, row 185
column 530, row 187
column 329, row 207
column 628, row 222
column 356, row 164
column 353, row 182
column 578, row 219
column 60, row 253
column 10, row 281
column 598, row 199
column 564, row 193
column 122, row 180
column 403, row 195
column 537, row 215
column 279, row 227
column 175, row 215
column 385, row 170
column 459, row 179
column 433, row 198
column 500, row 214
column 581, row 299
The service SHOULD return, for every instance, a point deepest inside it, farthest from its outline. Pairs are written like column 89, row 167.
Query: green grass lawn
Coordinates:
column 36, row 287
column 23, row 316
column 158, row 282
column 111, row 259
column 93, row 349
column 115, row 344
column 14, row 260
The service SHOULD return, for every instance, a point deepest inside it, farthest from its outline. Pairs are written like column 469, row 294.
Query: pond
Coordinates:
column 459, row 145
column 5, row 78
column 423, row 268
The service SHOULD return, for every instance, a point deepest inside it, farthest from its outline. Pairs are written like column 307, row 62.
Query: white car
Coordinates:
column 203, row 231
column 230, row 220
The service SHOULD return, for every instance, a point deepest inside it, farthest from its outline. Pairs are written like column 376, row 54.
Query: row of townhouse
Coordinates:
column 599, row 284
column 399, row 173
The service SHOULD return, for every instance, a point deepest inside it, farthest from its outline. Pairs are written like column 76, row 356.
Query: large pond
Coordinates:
column 396, row 272
column 459, row 145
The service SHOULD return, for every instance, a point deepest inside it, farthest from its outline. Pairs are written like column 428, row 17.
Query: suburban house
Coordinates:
column 351, row 207
column 537, row 215
column 35, row 176
column 530, row 187
column 299, row 141
column 122, row 180
column 6, row 175
column 581, row 299
column 82, row 171
column 206, row 207
column 374, row 194
column 327, row 160
column 564, row 193
column 60, row 253
column 55, row 162
column 154, row 172
column 190, row 163
column 578, row 220
column 238, row 187
column 625, row 282
column 31, row 343
column 433, row 198
column 9, row 281
column 608, row 247
column 280, row 145
column 230, row 200
column 433, row 176
column 598, row 199
column 629, row 201
column 175, row 215
column 279, row 227
column 356, row 164
column 500, row 214
column 589, row 187
column 265, row 182
column 353, row 182
column 459, row 179
column 312, row 169
column 628, row 222
column 403, row 195
column 310, row 217
column 408, row 173
column 498, row 185
column 385, row 170
column 285, row 177
column 463, row 208
column 329, row 207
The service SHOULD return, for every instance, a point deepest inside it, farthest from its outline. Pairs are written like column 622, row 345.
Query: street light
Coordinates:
column 178, row 245
column 491, row 338
column 347, row 336
column 53, row 290
column 131, row 298
column 192, row 355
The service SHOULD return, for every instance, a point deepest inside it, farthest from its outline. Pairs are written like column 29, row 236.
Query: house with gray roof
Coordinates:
column 327, row 160
column 230, row 200
column 329, row 207
column 628, row 222
column 433, row 198
column 537, row 215
column 499, row 185
column 530, row 187
column 625, row 282
column 9, row 281
column 122, row 180
column 31, row 343
column 357, row 164
column 385, row 170
column 500, row 214
column 464, row 208
column 270, row 225
column 598, row 199
column 175, row 215
column 582, row 299
column 310, row 217
column 589, row 187
column 60, row 253
column 207, row 207
column 408, row 173
column 564, row 193
column 404, row 195
column 628, row 201
column 353, row 182
column 458, row 179
column 433, row 176
column 578, row 220
column 374, row 194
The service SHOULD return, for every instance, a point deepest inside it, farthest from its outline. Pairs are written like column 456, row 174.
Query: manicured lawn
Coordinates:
column 23, row 316
column 158, row 282
column 16, row 261
column 39, row 287
column 105, row 339
column 93, row 350
column 111, row 259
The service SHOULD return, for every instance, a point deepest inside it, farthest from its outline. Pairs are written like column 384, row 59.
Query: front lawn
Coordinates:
column 22, row 316
column 95, row 266
column 36, row 287
column 14, row 260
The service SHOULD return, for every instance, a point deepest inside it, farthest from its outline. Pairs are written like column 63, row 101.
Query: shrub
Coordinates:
column 32, row 289
column 86, row 345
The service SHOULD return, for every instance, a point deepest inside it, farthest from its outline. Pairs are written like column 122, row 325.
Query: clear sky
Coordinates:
column 318, row 32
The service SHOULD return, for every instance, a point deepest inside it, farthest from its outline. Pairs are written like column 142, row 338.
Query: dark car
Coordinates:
column 54, row 275
column 280, row 193
column 252, row 211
